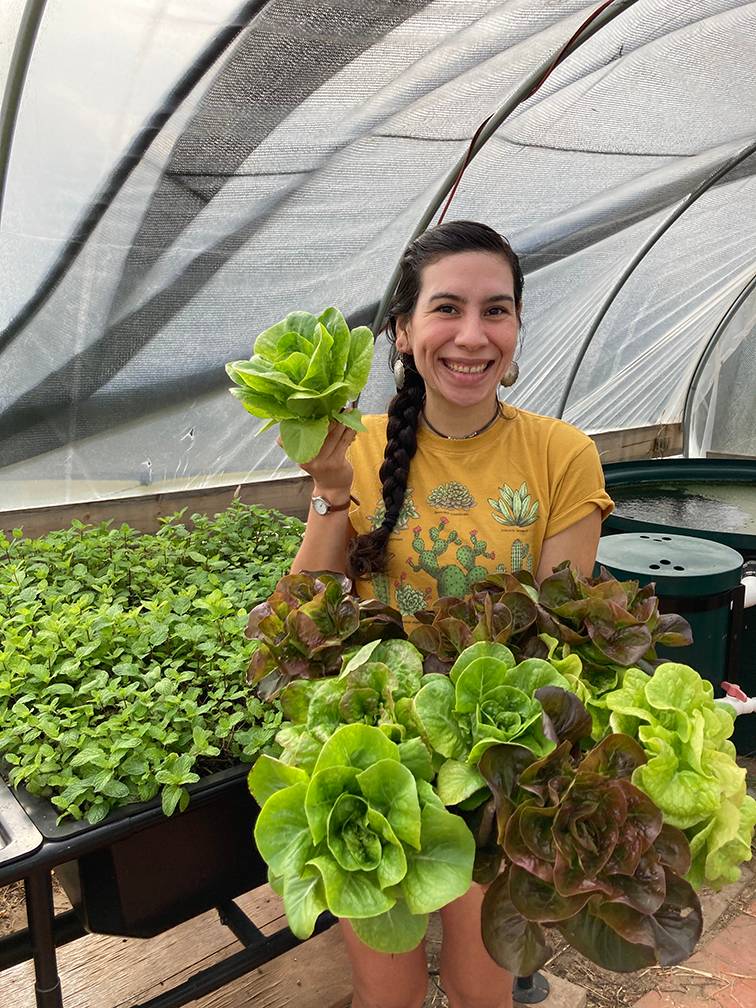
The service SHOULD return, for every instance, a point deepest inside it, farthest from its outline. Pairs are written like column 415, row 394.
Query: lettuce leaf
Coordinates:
column 302, row 373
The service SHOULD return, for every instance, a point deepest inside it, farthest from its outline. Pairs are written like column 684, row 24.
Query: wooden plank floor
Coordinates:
column 101, row 971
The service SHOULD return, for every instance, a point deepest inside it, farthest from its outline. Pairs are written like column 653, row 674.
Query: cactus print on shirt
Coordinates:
column 474, row 506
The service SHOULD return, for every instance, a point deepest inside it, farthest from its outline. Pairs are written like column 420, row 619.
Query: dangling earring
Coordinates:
column 400, row 374
column 511, row 375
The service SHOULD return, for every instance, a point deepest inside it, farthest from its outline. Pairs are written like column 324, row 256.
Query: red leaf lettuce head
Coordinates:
column 587, row 853
column 304, row 627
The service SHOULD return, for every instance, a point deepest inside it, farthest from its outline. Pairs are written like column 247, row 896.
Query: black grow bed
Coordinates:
column 138, row 873
column 170, row 868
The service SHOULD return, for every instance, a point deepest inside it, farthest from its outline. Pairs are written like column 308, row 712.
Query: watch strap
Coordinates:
column 333, row 507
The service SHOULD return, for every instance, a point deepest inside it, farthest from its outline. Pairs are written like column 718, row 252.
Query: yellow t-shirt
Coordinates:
column 474, row 506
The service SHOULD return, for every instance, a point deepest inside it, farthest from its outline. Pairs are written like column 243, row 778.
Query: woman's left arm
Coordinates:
column 578, row 544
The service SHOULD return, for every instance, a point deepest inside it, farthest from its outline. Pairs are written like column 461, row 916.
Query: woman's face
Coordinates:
column 463, row 330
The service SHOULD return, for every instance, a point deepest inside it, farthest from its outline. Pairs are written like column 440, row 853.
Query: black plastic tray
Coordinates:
column 19, row 837
column 44, row 815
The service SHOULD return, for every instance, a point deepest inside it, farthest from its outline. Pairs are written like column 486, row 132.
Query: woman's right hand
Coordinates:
column 331, row 472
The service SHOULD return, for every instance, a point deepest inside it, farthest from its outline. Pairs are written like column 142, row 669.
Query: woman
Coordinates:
column 466, row 485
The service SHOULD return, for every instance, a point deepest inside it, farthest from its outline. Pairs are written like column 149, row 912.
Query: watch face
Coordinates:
column 320, row 505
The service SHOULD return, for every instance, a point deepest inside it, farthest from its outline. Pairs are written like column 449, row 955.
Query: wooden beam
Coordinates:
column 655, row 441
column 290, row 495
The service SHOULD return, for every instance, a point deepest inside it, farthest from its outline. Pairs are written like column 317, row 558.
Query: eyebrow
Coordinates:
column 443, row 296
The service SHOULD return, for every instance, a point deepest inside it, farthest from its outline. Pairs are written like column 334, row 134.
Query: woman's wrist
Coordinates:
column 334, row 495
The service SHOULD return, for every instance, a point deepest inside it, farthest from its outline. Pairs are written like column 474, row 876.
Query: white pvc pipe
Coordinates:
column 734, row 695
column 741, row 706
column 749, row 583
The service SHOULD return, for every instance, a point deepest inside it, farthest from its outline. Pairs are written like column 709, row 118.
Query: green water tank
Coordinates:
column 697, row 578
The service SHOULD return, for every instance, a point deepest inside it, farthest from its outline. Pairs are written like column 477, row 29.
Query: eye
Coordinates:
column 499, row 310
column 446, row 309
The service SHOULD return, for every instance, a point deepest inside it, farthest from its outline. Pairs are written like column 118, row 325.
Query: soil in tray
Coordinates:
column 727, row 507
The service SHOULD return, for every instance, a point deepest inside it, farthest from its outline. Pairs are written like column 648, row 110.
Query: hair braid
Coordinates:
column 367, row 554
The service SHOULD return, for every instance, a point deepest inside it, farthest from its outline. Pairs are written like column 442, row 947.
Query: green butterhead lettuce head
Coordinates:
column 302, row 373
column 485, row 700
column 691, row 773
column 358, row 834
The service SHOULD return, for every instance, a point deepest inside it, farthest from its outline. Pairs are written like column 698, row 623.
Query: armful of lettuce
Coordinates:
column 302, row 373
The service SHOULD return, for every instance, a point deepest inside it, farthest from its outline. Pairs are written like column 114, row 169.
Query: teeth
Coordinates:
column 466, row 368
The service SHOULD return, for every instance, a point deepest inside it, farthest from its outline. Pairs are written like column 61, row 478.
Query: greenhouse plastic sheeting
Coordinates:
column 719, row 413
column 286, row 165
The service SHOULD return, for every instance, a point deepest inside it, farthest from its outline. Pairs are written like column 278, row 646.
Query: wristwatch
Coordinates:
column 322, row 506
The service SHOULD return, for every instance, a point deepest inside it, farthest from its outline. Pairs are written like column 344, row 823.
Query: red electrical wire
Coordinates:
column 558, row 59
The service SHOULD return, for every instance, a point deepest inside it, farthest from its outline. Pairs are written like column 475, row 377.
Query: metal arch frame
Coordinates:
column 141, row 142
column 706, row 353
column 520, row 95
column 50, row 400
column 102, row 200
column 640, row 254
column 31, row 19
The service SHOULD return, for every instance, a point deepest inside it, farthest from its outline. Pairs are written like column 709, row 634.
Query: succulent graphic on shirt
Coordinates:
column 410, row 599
column 522, row 558
column 514, row 507
column 451, row 497
column 408, row 511
column 381, row 590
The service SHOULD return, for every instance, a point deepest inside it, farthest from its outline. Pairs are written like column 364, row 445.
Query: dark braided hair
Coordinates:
column 367, row 553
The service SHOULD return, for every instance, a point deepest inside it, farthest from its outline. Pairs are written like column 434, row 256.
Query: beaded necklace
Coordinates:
column 464, row 437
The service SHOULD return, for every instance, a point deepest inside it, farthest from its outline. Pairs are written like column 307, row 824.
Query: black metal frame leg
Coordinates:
column 41, row 915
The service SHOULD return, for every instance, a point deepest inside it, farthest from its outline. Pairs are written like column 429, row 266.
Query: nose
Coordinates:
column 471, row 333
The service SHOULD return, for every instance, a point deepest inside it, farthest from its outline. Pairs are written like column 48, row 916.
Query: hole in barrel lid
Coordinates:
column 678, row 567
column 654, row 567
column 645, row 536
column 665, row 562
column 666, row 538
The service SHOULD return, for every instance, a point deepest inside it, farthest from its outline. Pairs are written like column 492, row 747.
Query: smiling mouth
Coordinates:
column 459, row 368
